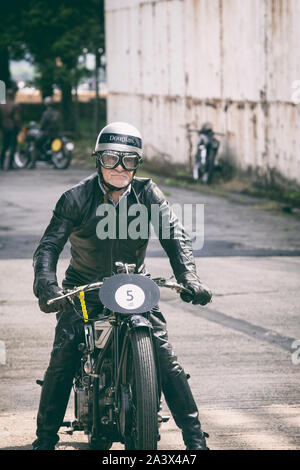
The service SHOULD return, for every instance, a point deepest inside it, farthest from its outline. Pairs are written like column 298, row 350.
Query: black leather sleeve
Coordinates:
column 65, row 217
column 172, row 235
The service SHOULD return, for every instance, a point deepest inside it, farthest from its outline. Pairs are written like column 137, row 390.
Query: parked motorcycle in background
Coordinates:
column 54, row 151
column 206, row 153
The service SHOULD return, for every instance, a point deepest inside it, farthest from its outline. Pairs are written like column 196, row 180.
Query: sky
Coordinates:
column 23, row 70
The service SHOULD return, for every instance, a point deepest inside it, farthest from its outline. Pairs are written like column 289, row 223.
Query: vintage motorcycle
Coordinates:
column 117, row 388
column 205, row 157
column 54, row 151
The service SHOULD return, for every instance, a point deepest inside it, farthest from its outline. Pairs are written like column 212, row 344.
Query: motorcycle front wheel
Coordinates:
column 61, row 159
column 196, row 172
column 139, row 407
column 210, row 167
column 22, row 159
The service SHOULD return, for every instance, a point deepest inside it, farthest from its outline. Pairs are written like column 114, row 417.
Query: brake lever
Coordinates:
column 161, row 282
column 76, row 291
column 51, row 301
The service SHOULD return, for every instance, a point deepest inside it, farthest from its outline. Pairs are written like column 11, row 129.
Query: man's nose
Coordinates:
column 119, row 168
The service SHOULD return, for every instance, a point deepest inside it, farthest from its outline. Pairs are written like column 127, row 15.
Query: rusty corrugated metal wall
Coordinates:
column 231, row 62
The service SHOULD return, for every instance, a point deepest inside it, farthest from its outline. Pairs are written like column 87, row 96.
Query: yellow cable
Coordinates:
column 83, row 307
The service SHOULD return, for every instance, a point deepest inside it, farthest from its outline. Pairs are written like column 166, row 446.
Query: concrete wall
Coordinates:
column 231, row 62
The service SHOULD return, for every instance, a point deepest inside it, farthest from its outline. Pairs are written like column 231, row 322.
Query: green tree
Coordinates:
column 55, row 34
column 11, row 42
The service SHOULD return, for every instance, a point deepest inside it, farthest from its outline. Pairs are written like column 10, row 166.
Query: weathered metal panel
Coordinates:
column 122, row 44
column 284, row 139
column 242, row 51
column 125, row 108
column 231, row 62
column 162, row 46
column 246, row 134
column 162, row 120
column 148, row 54
column 154, row 56
column 283, row 48
column 111, row 5
column 202, row 61
column 175, row 41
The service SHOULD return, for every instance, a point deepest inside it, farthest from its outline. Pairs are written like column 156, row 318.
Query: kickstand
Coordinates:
column 73, row 425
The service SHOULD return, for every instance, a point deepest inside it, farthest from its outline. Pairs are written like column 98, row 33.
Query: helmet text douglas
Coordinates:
column 124, row 139
column 119, row 136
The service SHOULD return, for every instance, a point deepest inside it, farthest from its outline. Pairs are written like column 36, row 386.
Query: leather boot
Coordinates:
column 53, row 403
column 58, row 380
column 42, row 444
column 181, row 403
column 175, row 387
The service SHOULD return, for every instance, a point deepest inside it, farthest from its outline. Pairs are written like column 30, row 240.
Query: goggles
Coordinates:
column 110, row 159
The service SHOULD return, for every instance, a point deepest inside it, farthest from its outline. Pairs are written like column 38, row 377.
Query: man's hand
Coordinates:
column 51, row 292
column 201, row 293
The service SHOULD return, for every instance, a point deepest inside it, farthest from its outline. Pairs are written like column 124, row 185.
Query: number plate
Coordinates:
column 129, row 293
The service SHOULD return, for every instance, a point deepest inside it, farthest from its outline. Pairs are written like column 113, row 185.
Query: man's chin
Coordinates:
column 119, row 179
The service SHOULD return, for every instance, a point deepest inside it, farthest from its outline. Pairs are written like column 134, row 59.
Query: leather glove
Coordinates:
column 50, row 291
column 201, row 293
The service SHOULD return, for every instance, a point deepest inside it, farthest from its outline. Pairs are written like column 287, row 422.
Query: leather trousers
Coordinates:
column 65, row 359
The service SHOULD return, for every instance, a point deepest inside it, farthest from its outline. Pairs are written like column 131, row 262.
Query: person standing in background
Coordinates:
column 10, row 124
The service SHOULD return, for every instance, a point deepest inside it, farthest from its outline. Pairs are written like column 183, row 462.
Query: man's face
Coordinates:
column 117, row 176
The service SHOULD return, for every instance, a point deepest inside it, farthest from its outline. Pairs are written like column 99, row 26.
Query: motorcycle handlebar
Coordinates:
column 161, row 282
column 199, row 131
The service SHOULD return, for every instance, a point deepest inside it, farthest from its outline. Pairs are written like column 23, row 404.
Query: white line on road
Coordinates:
column 2, row 353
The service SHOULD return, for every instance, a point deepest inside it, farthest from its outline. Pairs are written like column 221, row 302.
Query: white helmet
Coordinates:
column 120, row 136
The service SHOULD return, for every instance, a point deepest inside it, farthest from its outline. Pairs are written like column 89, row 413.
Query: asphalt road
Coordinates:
column 241, row 350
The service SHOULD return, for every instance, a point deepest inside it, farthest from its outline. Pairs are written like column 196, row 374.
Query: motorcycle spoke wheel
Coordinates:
column 21, row 159
column 140, row 377
column 61, row 160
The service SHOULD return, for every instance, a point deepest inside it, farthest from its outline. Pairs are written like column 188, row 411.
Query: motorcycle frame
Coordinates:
column 122, row 325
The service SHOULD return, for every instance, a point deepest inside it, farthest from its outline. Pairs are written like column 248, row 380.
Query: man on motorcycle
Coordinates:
column 50, row 126
column 118, row 153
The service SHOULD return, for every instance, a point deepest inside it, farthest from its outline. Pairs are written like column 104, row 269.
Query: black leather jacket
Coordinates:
column 51, row 122
column 75, row 218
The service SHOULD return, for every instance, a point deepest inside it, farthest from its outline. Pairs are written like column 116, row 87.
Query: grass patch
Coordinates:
column 267, row 206
column 274, row 199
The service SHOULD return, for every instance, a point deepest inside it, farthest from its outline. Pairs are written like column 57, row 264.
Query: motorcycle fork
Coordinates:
column 125, row 339
column 160, row 418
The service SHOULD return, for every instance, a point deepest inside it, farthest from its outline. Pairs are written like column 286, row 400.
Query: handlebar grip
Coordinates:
column 188, row 296
column 51, row 301
column 184, row 290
